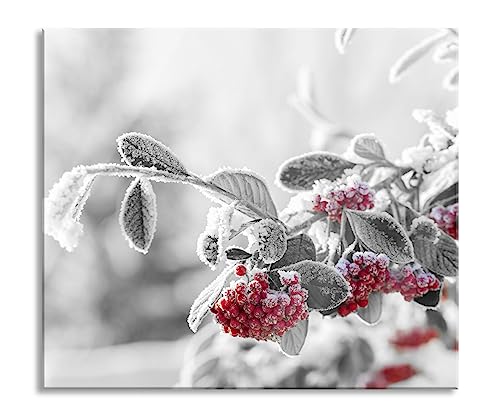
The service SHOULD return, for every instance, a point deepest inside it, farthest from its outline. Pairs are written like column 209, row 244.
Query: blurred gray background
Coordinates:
column 217, row 98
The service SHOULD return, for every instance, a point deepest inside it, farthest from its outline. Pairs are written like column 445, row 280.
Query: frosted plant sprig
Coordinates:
column 316, row 242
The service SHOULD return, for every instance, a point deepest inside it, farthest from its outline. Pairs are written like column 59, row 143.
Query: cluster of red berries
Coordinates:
column 413, row 338
column 252, row 309
column 390, row 375
column 366, row 273
column 411, row 281
column 446, row 218
column 351, row 192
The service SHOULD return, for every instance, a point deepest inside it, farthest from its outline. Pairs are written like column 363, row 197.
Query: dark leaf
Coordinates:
column 327, row 288
column 140, row 150
column 138, row 215
column 299, row 248
column 300, row 173
column 237, row 254
column 381, row 233
column 441, row 257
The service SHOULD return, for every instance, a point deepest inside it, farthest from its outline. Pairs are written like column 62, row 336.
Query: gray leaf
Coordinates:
column 327, row 288
column 300, row 173
column 372, row 312
column 246, row 186
column 369, row 147
column 207, row 298
column 138, row 149
column 138, row 215
column 441, row 257
column 381, row 234
column 292, row 341
column 299, row 248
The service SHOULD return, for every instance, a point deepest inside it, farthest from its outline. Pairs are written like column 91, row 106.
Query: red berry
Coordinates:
column 240, row 270
column 256, row 311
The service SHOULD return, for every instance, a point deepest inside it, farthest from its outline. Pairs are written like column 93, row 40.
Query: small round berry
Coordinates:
column 240, row 270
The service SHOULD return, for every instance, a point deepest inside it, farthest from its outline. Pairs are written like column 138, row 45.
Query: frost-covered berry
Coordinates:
column 254, row 310
column 367, row 272
column 446, row 218
column 411, row 281
column 349, row 191
column 413, row 338
column 240, row 270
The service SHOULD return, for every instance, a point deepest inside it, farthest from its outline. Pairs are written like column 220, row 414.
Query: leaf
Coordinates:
column 300, row 173
column 446, row 197
column 246, row 186
column 138, row 149
column 138, row 215
column 327, row 288
column 342, row 37
column 431, row 299
column 414, row 54
column 368, row 146
column 299, row 248
column 441, row 257
column 372, row 312
column 237, row 254
column 435, row 319
column 292, row 341
column 381, row 234
column 207, row 298
column 271, row 238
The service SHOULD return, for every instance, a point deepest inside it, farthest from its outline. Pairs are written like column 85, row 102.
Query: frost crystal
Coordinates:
column 214, row 239
column 271, row 238
column 63, row 207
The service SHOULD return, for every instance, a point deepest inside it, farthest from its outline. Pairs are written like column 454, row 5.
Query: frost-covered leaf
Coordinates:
column 298, row 248
column 342, row 37
column 207, row 298
column 440, row 257
column 271, row 240
column 246, row 186
column 438, row 181
column 300, row 173
column 414, row 54
column 237, row 254
column 292, row 341
column 138, row 149
column 431, row 299
column 373, row 311
column 138, row 215
column 381, row 233
column 368, row 146
column 327, row 288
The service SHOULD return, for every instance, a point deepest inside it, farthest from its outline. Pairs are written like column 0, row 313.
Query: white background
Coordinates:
column 21, row 127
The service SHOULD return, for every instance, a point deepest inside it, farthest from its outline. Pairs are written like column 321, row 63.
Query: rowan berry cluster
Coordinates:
column 253, row 309
column 367, row 272
column 411, row 281
column 350, row 192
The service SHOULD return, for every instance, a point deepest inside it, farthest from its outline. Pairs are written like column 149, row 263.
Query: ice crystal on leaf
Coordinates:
column 63, row 207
